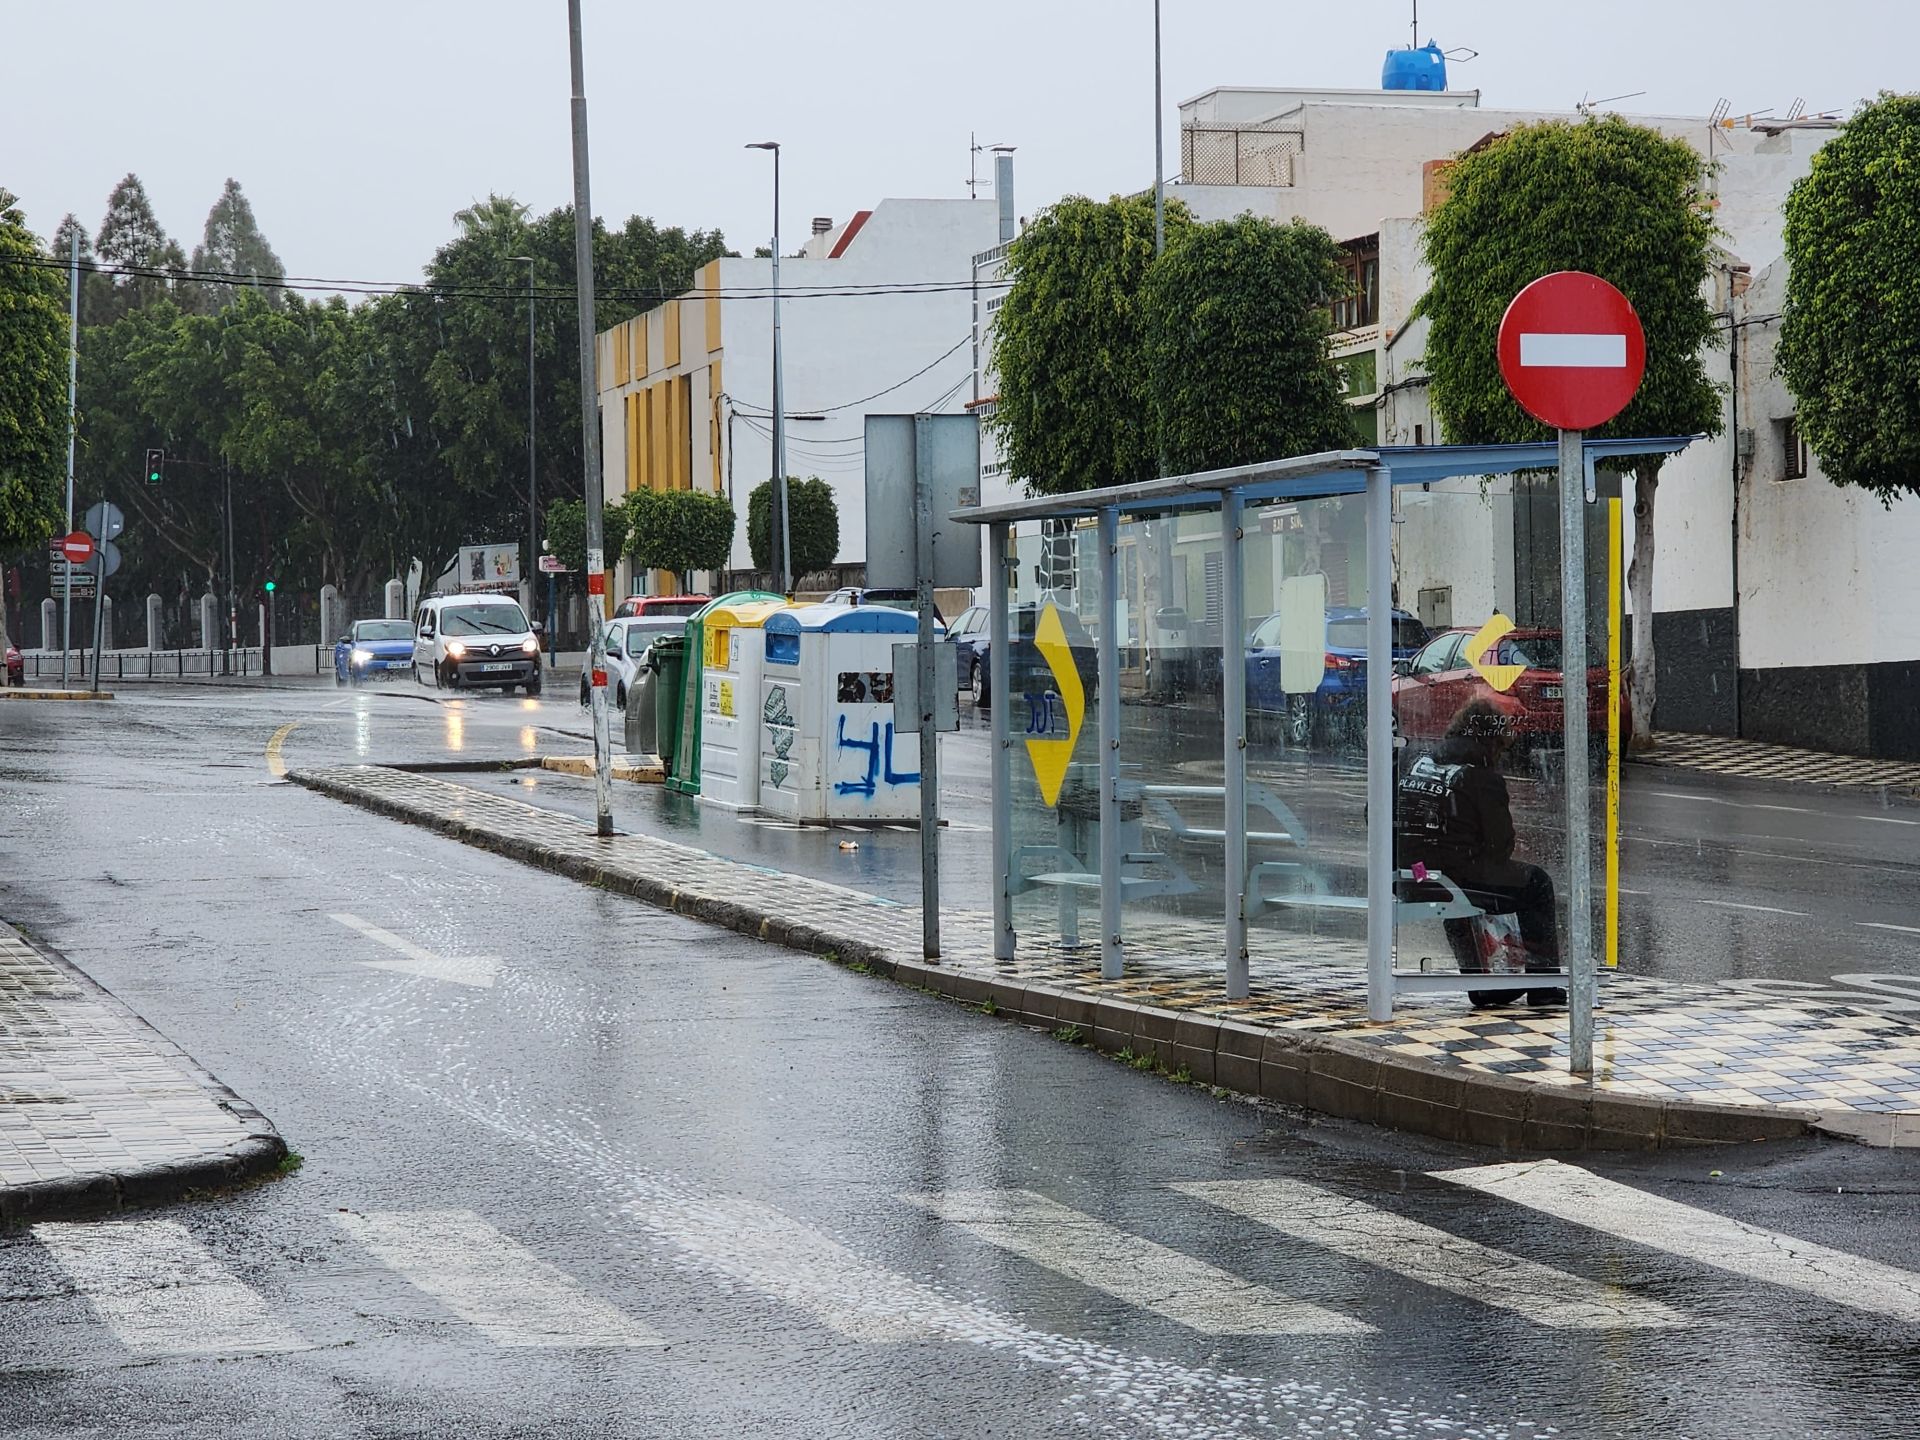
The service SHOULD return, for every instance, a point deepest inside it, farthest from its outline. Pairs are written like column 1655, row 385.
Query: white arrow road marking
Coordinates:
column 476, row 970
column 1187, row 1291
column 1435, row 1257
column 161, row 1292
column 1584, row 352
column 500, row 1288
column 1570, row 1193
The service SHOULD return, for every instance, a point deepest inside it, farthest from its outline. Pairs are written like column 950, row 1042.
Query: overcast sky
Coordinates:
column 358, row 128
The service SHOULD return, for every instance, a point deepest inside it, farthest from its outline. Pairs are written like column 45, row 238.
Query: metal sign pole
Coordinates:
column 999, row 639
column 1573, row 709
column 924, row 663
column 73, row 431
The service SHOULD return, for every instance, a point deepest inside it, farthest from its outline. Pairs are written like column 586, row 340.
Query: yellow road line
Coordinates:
column 276, row 763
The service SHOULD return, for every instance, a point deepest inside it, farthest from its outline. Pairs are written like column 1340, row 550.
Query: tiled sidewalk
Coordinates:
column 1752, row 760
column 1684, row 1061
column 96, row 1109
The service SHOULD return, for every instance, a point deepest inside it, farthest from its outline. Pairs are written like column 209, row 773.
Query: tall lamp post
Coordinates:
column 533, row 502
column 1159, row 150
column 783, row 572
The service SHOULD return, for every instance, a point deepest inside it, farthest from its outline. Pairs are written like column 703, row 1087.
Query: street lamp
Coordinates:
column 783, row 572
column 533, row 503
column 1159, row 152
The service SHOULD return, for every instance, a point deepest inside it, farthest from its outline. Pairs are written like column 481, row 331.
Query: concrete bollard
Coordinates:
column 209, row 622
column 156, row 638
column 396, row 600
column 49, row 625
column 106, row 622
column 332, row 614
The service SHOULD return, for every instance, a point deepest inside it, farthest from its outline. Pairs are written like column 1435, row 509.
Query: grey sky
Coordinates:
column 358, row 128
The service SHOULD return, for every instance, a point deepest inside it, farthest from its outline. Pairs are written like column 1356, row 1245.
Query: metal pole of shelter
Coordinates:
column 1233, row 703
column 1573, row 662
column 999, row 706
column 1107, row 677
column 924, row 662
column 590, row 433
column 73, row 432
column 533, row 500
column 1379, row 744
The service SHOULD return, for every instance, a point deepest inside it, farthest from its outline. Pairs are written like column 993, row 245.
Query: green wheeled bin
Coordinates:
column 669, row 658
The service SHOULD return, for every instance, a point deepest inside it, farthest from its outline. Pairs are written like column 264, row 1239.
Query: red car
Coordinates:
column 16, row 667
column 656, row 605
column 1430, row 689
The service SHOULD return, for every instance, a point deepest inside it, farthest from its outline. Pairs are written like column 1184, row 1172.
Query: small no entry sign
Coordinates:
column 1572, row 350
column 77, row 547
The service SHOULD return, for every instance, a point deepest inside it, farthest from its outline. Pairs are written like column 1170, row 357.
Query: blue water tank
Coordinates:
column 1422, row 69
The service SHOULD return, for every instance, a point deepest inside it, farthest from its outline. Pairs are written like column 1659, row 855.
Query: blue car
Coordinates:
column 373, row 650
column 1335, row 711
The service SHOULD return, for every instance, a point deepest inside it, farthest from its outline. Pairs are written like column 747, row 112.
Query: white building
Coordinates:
column 875, row 319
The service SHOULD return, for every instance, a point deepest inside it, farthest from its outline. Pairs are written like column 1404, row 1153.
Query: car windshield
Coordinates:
column 671, row 607
column 483, row 620
column 1536, row 652
column 1352, row 634
column 383, row 630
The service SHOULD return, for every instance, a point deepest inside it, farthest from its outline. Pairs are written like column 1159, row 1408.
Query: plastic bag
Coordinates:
column 1497, row 945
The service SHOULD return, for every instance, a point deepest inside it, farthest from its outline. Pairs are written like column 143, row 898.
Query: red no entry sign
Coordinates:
column 77, row 547
column 1571, row 350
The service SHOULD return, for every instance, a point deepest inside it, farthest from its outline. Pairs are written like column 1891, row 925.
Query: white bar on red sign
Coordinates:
column 1583, row 352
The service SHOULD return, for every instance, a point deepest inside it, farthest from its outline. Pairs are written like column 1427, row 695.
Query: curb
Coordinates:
column 1333, row 1075
column 14, row 693
column 256, row 1154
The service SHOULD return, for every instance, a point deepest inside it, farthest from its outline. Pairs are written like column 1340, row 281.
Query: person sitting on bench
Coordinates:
column 1452, row 814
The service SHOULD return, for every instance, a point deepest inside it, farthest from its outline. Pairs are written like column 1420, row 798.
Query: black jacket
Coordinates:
column 1452, row 813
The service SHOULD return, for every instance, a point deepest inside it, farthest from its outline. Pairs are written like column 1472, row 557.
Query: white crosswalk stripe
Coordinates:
column 161, row 1292
column 1569, row 1193
column 1434, row 1256
column 1187, row 1291
column 499, row 1287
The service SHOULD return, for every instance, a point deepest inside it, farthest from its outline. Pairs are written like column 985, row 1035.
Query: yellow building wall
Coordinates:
column 670, row 342
column 622, row 368
column 632, row 425
column 710, row 283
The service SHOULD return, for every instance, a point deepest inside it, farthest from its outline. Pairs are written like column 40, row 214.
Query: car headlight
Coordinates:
column 530, row 646
column 361, row 656
column 455, row 649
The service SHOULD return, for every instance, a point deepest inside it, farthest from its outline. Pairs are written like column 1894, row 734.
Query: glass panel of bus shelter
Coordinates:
column 1170, row 572
column 1304, row 582
column 1053, row 588
column 1481, row 791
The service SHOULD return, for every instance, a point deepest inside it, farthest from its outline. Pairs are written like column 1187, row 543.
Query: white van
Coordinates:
column 475, row 640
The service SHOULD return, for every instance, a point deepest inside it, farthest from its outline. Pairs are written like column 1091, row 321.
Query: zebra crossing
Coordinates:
column 161, row 1292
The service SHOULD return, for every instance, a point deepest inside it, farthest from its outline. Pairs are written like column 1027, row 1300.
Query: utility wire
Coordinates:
column 851, row 404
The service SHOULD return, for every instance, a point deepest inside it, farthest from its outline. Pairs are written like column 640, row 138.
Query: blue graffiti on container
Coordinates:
column 879, row 761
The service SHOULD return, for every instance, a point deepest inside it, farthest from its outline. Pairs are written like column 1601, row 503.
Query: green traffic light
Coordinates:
column 269, row 587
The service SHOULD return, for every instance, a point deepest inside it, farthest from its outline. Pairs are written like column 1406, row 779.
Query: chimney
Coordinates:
column 822, row 224
column 1003, row 190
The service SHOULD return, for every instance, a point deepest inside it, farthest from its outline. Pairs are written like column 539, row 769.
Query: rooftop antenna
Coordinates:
column 974, row 149
column 1414, row 44
column 1587, row 107
column 1798, row 108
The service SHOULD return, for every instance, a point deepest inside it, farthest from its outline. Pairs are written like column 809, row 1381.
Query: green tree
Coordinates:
column 1849, row 350
column 1074, row 411
column 1234, row 324
column 1602, row 195
column 131, row 236
column 680, row 531
column 33, row 386
column 232, row 244
column 813, row 525
column 566, row 531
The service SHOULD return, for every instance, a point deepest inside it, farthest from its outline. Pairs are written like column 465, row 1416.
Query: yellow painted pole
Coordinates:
column 1614, row 621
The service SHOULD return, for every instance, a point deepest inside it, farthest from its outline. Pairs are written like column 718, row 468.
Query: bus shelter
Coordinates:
column 1202, row 688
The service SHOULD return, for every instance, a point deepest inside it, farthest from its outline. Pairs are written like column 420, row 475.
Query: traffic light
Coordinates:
column 269, row 587
column 156, row 465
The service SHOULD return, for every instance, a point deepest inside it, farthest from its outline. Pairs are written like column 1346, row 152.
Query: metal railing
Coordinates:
column 1238, row 155
column 120, row 665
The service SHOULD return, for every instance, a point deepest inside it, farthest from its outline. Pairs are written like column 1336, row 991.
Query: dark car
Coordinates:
column 972, row 647
column 1336, row 708
column 16, row 667
column 373, row 650
column 1439, row 680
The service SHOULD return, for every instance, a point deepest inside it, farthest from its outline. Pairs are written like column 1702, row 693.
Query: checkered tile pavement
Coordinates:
column 1723, row 1044
column 1749, row 759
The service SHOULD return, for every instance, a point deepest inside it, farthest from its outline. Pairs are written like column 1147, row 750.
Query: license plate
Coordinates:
column 496, row 667
column 1550, row 692
column 396, row 664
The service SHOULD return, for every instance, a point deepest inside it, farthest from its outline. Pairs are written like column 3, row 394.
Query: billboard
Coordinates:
column 488, row 567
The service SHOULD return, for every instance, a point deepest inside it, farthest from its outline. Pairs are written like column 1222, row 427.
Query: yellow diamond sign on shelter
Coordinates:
column 1489, row 635
column 1051, row 756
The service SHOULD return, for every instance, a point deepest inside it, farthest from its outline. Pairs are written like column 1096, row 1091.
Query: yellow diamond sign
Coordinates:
column 1050, row 756
column 1500, row 677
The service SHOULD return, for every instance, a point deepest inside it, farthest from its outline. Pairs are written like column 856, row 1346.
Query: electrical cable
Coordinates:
column 851, row 404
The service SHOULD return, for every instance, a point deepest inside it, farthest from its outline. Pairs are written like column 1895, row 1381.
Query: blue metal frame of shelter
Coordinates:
column 1374, row 473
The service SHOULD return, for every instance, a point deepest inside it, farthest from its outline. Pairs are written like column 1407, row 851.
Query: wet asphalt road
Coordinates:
column 607, row 1172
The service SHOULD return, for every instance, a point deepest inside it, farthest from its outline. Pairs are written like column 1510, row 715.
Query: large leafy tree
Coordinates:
column 1602, row 195
column 1849, row 341
column 131, row 237
column 813, row 524
column 232, row 244
column 1074, row 410
column 679, row 530
column 33, row 386
column 1234, row 326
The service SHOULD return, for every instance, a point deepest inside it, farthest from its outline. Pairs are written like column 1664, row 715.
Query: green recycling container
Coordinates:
column 670, row 663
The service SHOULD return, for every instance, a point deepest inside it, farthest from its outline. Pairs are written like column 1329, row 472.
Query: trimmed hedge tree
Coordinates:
column 813, row 527
column 1850, row 337
column 680, row 530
